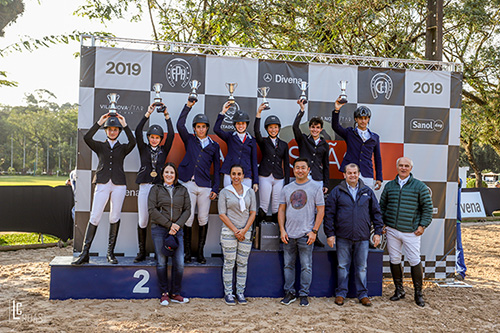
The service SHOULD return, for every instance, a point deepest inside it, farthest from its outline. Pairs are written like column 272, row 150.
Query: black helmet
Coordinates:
column 362, row 111
column 201, row 118
column 113, row 122
column 241, row 116
column 272, row 120
column 156, row 130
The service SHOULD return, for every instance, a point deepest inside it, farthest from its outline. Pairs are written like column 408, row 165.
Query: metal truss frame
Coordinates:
column 269, row 54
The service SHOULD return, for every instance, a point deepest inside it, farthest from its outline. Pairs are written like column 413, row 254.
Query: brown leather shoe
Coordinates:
column 339, row 300
column 365, row 301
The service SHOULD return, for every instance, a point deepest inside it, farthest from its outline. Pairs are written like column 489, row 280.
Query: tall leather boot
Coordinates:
column 113, row 235
column 188, row 231
column 417, row 277
column 202, row 237
column 397, row 277
column 141, row 236
column 261, row 217
column 87, row 242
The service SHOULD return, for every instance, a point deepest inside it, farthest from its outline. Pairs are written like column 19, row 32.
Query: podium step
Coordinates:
column 128, row 280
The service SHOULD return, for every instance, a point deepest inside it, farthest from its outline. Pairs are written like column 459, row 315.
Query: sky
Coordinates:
column 56, row 68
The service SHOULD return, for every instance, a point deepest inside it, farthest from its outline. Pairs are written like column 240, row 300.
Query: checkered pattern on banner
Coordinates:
column 415, row 112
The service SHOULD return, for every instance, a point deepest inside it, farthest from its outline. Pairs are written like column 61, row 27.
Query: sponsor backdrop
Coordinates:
column 415, row 112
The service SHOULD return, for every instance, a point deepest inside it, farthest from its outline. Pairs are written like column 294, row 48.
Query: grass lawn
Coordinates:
column 32, row 180
column 21, row 238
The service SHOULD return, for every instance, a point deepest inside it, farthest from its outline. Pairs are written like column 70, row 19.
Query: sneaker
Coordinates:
column 304, row 301
column 241, row 299
column 289, row 298
column 164, row 300
column 229, row 299
column 179, row 299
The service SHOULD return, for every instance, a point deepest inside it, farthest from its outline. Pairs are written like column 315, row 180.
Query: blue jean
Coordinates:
column 346, row 251
column 290, row 256
column 460, row 265
column 158, row 233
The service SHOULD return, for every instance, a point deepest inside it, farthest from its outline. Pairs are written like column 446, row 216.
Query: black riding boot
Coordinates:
column 397, row 277
column 87, row 242
column 417, row 277
column 113, row 235
column 141, row 236
column 188, row 231
column 202, row 237
column 261, row 217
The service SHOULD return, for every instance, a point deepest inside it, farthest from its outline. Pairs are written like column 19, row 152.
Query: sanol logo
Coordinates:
column 426, row 125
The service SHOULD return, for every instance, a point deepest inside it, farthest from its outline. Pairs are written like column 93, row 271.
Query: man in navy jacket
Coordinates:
column 350, row 210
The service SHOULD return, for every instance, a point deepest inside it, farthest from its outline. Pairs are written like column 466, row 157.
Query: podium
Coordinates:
column 129, row 280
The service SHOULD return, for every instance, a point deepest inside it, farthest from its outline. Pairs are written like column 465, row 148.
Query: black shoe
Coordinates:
column 141, row 236
column 288, row 299
column 87, row 242
column 188, row 231
column 202, row 237
column 113, row 235
column 304, row 301
column 397, row 276
column 417, row 277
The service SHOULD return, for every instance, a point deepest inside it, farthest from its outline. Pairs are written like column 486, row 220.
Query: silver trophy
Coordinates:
column 113, row 99
column 231, row 87
column 158, row 102
column 263, row 91
column 194, row 85
column 343, row 96
column 303, row 87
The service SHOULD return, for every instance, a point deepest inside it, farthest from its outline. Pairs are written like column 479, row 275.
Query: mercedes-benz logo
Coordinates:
column 268, row 77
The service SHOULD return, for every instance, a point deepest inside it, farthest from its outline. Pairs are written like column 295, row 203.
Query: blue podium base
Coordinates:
column 129, row 280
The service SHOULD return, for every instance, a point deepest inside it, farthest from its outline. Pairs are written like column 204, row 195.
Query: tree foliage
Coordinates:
column 43, row 124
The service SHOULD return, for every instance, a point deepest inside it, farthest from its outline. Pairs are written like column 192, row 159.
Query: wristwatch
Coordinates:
column 315, row 231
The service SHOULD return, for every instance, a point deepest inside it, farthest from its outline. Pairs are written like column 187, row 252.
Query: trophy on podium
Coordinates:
column 343, row 96
column 160, row 107
column 263, row 91
column 194, row 85
column 231, row 87
column 303, row 87
column 113, row 99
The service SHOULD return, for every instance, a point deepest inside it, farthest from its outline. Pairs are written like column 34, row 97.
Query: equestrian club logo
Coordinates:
column 268, row 77
column 177, row 71
column 227, row 123
column 381, row 84
column 426, row 125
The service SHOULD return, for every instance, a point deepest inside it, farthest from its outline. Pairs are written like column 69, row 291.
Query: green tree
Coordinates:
column 43, row 124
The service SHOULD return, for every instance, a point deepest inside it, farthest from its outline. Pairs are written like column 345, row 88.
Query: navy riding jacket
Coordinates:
column 238, row 152
column 359, row 152
column 197, row 160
